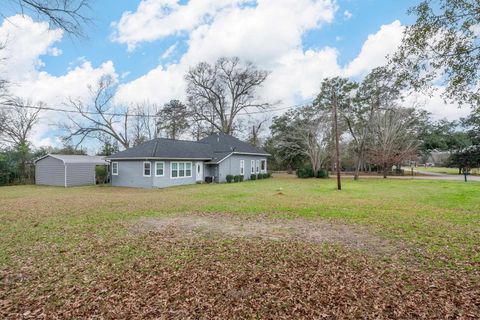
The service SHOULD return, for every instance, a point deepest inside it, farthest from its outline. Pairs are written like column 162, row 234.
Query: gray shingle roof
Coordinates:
column 221, row 142
column 215, row 148
column 167, row 149
column 67, row 158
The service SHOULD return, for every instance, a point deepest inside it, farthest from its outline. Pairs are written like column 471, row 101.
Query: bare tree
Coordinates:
column 143, row 123
column 199, row 129
column 336, row 95
column 68, row 15
column 99, row 117
column 256, row 126
column 394, row 139
column 16, row 125
column 317, row 137
column 173, row 119
column 378, row 91
column 19, row 118
column 218, row 94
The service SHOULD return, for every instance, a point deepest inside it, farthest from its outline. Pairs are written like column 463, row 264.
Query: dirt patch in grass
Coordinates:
column 313, row 231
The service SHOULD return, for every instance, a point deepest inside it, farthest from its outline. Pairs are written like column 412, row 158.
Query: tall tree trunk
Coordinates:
column 385, row 170
column 357, row 168
column 337, row 144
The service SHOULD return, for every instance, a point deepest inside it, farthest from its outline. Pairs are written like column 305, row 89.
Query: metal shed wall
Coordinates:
column 50, row 171
column 80, row 174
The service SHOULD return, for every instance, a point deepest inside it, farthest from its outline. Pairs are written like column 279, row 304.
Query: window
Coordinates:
column 252, row 166
column 242, row 167
column 181, row 170
column 159, row 169
column 258, row 166
column 263, row 165
column 174, row 170
column 115, row 168
column 147, row 168
column 188, row 169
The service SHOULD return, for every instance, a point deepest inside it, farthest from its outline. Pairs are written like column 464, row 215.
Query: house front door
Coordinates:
column 199, row 171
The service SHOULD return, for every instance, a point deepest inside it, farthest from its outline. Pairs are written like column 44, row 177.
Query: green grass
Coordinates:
column 63, row 238
column 442, row 217
column 444, row 170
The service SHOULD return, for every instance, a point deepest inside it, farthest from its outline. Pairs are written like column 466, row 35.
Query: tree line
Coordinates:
column 360, row 126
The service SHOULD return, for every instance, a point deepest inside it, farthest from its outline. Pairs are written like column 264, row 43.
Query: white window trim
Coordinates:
column 264, row 170
column 242, row 167
column 178, row 169
column 143, row 167
column 160, row 175
column 115, row 173
column 257, row 166
column 252, row 166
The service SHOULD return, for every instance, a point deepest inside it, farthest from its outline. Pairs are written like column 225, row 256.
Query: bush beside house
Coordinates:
column 307, row 172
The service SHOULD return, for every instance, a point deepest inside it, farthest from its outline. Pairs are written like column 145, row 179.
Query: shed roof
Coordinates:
column 68, row 158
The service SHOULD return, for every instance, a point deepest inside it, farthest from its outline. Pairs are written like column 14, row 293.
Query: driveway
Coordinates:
column 441, row 176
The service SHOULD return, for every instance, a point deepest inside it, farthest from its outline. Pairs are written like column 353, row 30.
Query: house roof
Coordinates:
column 215, row 148
column 222, row 143
column 166, row 149
column 68, row 158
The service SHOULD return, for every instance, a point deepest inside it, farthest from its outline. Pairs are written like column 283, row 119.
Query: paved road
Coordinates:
column 441, row 176
column 425, row 176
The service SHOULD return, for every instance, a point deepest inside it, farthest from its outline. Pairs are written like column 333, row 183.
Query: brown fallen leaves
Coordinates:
column 179, row 276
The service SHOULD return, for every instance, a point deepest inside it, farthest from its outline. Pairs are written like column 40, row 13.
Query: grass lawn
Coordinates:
column 85, row 252
column 438, row 170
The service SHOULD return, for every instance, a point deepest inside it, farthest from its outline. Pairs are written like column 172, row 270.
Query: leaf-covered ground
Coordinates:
column 85, row 252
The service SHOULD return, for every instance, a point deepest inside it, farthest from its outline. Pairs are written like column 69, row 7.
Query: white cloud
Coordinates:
column 436, row 105
column 27, row 42
column 169, row 51
column 347, row 14
column 375, row 49
column 157, row 86
column 268, row 34
column 156, row 19
column 298, row 75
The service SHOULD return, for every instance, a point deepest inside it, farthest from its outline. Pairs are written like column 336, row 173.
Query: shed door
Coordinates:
column 199, row 171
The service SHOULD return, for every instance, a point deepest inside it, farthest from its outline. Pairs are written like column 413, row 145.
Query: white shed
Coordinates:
column 67, row 170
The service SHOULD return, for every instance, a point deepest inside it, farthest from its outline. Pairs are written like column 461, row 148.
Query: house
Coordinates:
column 163, row 163
column 67, row 170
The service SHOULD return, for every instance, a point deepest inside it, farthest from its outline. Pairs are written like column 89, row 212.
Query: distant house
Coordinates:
column 165, row 162
column 438, row 158
column 67, row 170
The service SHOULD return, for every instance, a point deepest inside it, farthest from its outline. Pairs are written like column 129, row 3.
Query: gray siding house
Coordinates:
column 66, row 170
column 163, row 163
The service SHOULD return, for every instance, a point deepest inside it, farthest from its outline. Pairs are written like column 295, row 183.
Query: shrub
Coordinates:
column 305, row 172
column 253, row 177
column 322, row 174
column 260, row 176
column 236, row 179
column 229, row 178
column 265, row 176
column 101, row 174
column 269, row 174
column 241, row 178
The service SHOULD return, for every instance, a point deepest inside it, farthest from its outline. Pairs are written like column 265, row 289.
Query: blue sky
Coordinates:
column 148, row 45
column 367, row 17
